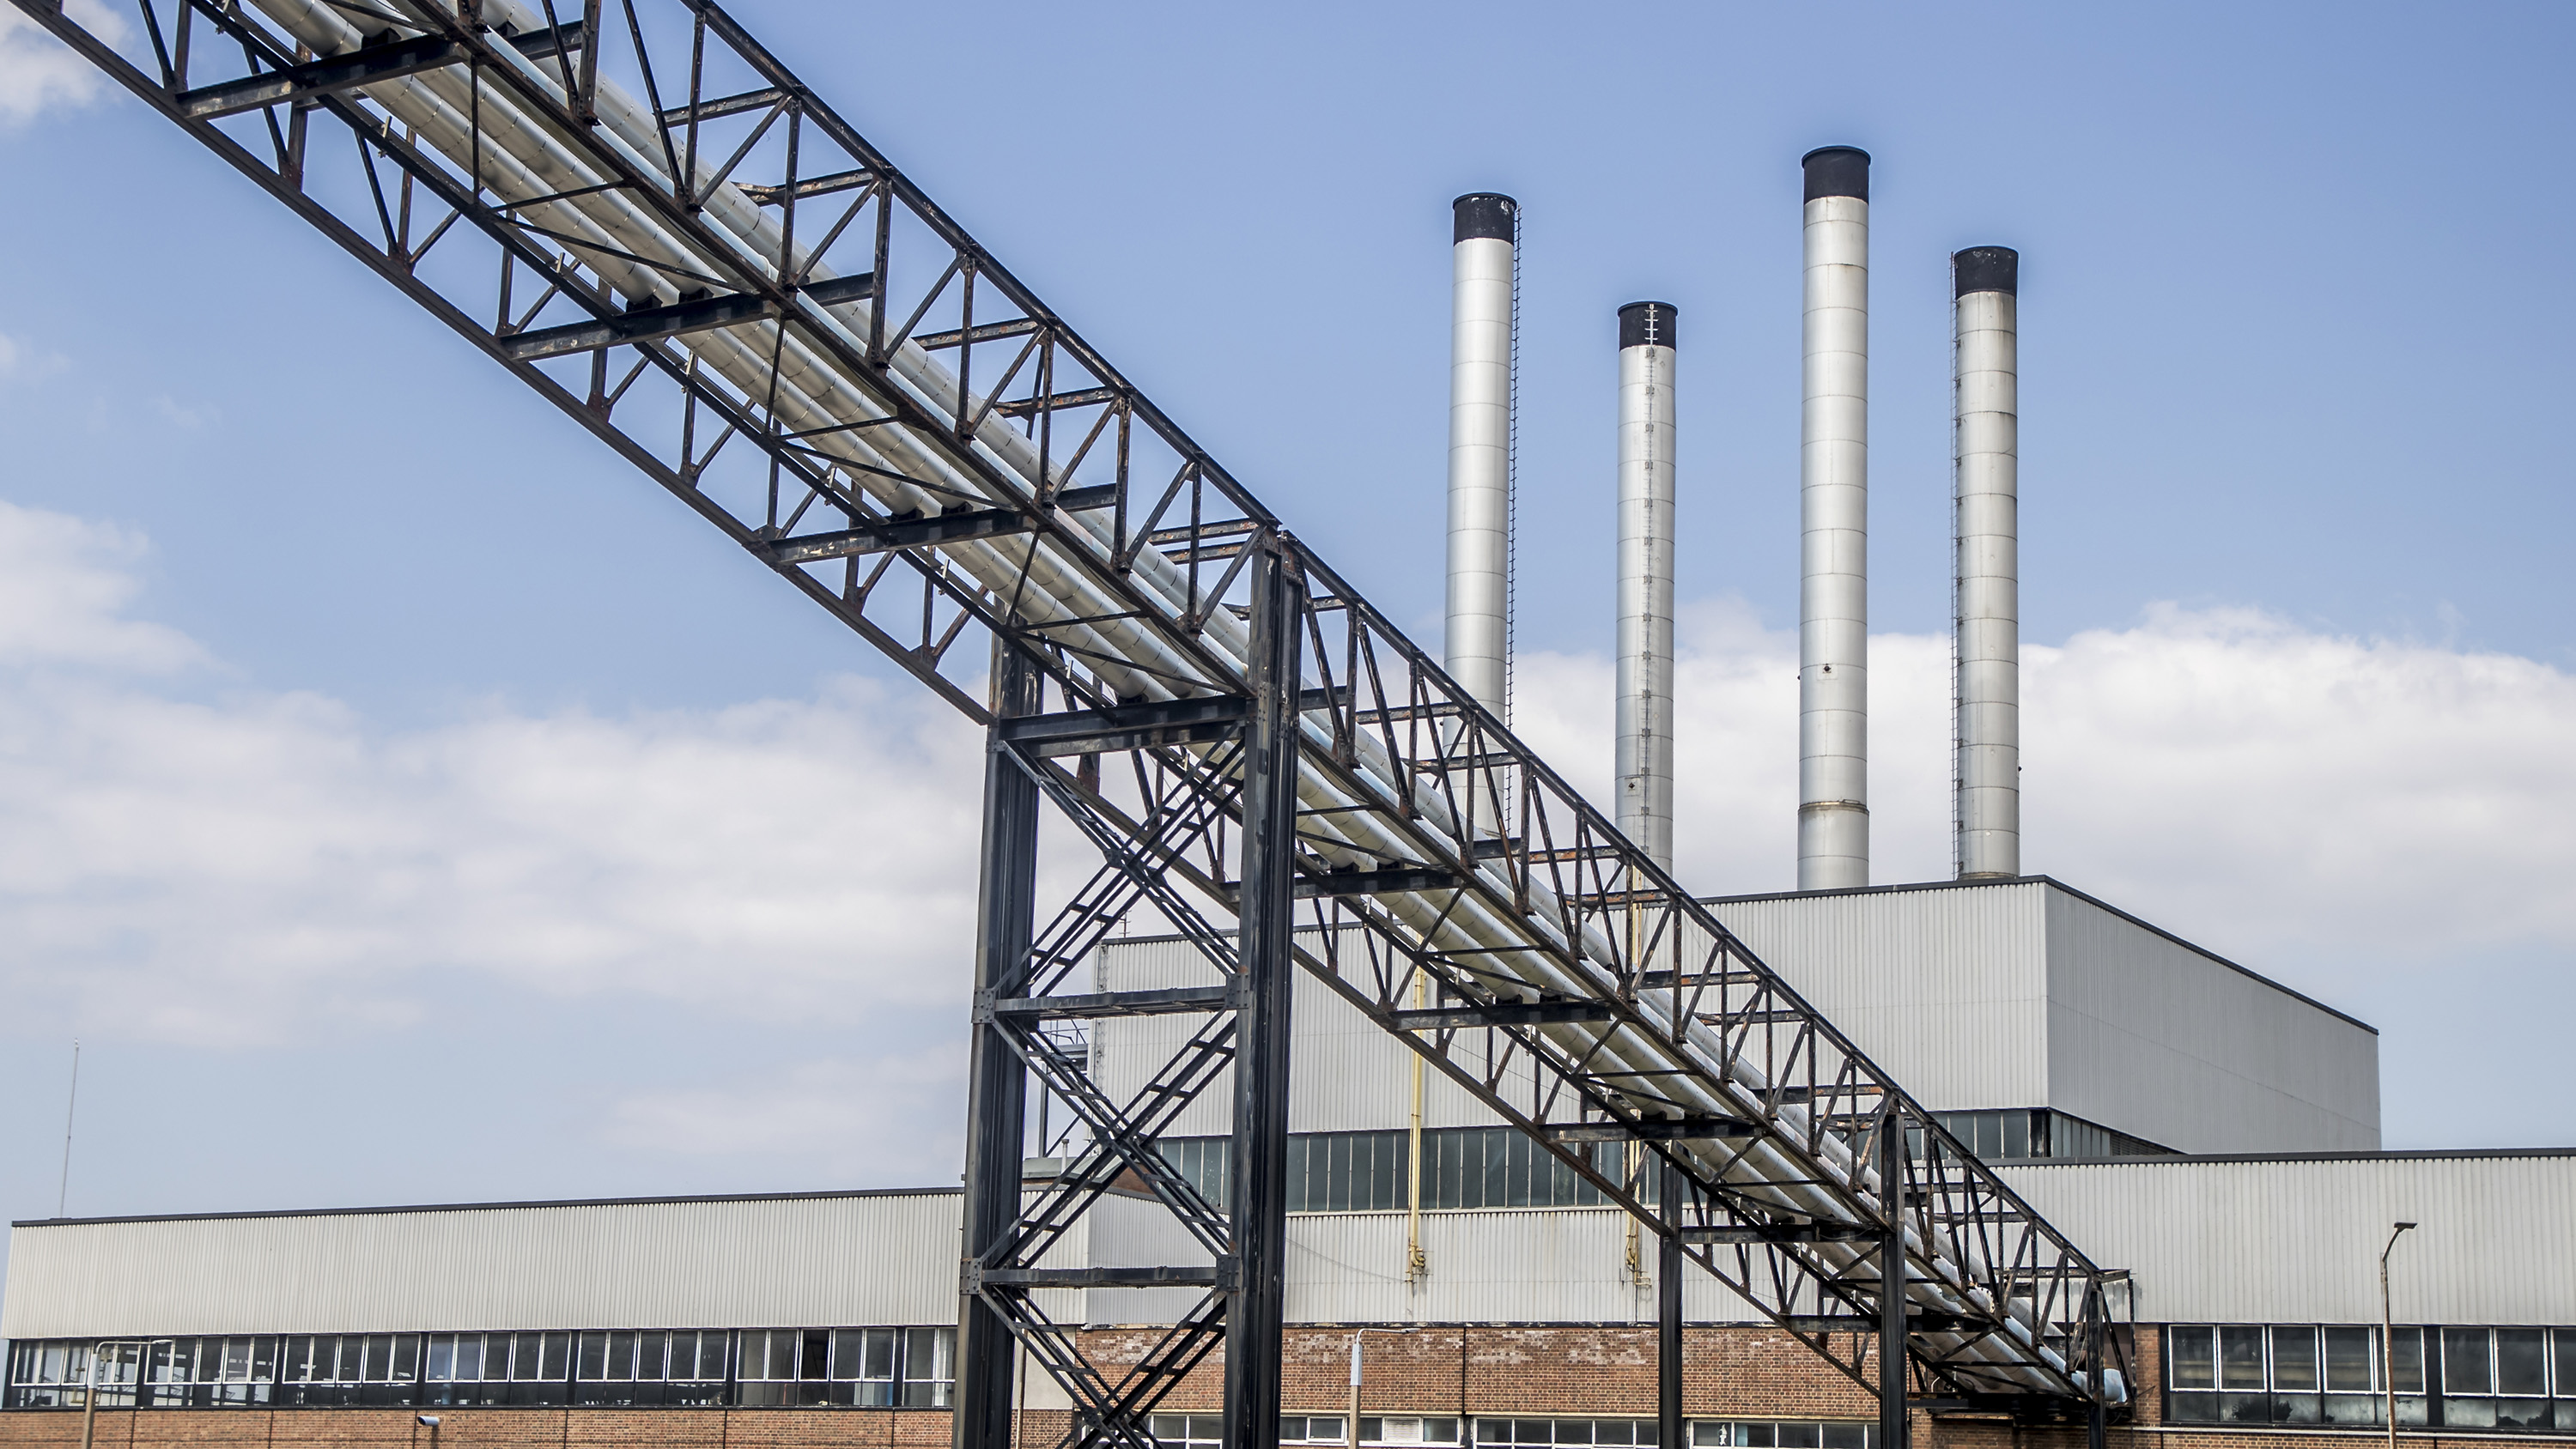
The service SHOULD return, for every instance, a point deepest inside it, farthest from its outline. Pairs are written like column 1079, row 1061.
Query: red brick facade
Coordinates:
column 1751, row 1373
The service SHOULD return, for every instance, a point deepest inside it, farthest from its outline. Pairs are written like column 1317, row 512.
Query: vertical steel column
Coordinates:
column 1259, row 1209
column 997, row 1082
column 1668, row 1315
column 1891, row 1283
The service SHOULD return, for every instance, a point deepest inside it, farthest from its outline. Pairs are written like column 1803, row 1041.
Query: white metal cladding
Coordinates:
column 1976, row 996
column 789, row 1261
column 2297, row 1240
column 1518, row 1265
column 1346, row 1074
column 2164, row 1041
column 1945, row 989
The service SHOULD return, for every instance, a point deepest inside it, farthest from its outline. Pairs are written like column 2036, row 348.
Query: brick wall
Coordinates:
column 1754, row 1373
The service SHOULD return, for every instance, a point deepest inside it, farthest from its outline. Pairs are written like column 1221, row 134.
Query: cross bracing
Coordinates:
column 797, row 343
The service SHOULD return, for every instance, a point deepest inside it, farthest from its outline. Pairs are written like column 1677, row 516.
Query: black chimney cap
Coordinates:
column 1486, row 214
column 1986, row 269
column 1648, row 324
column 1837, row 171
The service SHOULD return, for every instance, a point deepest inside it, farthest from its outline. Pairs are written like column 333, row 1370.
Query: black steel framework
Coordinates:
column 797, row 343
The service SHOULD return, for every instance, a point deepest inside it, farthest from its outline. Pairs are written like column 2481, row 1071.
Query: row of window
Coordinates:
column 2025, row 1133
column 1203, row 1431
column 1462, row 1167
column 857, row 1367
column 1497, row 1167
column 2291, row 1374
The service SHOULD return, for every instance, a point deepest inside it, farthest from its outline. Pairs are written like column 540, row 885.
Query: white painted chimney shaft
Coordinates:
column 1833, row 492
column 1477, row 640
column 1986, row 463
column 1645, row 642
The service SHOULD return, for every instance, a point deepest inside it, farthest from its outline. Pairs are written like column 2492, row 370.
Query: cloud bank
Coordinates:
column 38, row 72
column 194, row 860
column 2233, row 776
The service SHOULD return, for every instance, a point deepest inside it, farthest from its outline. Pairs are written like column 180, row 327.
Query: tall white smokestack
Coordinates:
column 1986, row 464
column 1833, row 509
column 1645, row 750
column 1477, row 641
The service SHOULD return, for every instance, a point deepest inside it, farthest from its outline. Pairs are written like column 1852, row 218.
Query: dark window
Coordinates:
column 929, row 1367
column 2522, row 1362
column 2294, row 1359
column 2465, row 1365
column 2240, row 1358
column 2192, row 1362
column 2352, row 1360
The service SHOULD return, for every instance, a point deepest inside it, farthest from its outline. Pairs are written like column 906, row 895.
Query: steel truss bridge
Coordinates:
column 644, row 215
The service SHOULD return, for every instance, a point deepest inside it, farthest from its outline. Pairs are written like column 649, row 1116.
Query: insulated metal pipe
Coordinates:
column 1478, row 638
column 1986, row 589
column 1645, row 641
column 1833, row 512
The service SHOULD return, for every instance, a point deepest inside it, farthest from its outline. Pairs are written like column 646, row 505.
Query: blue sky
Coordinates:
column 2294, row 297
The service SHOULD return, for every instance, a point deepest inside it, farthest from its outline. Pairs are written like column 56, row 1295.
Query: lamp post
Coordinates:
column 2388, row 1335
column 89, row 1393
column 1351, row 1436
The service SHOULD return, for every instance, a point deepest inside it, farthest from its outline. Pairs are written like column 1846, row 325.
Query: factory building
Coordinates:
column 2183, row 1118
column 1450, row 1281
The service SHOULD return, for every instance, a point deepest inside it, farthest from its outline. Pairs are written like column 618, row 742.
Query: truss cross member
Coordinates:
column 1891, row 1284
column 997, row 1080
column 1266, row 912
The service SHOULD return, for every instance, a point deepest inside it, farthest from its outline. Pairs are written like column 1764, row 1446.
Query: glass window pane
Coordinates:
column 523, row 1357
column 2240, row 1358
column 442, row 1357
column 2016, row 1144
column 406, row 1358
column 2565, row 1351
column 380, row 1358
column 2294, row 1359
column 2522, row 1361
column 2194, row 1365
column 1849, row 1436
column 2465, row 1369
column 2352, row 1360
column 648, row 1355
column 469, row 1357
column 2406, row 1360
column 593, row 1361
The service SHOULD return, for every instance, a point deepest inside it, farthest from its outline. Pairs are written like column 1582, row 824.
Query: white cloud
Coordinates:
column 242, row 866
column 20, row 361
column 190, row 860
column 38, row 71
column 2258, row 785
column 886, row 1118
column 191, row 416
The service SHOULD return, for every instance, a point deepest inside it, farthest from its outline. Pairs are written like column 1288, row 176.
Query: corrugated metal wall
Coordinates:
column 1945, row 989
column 2170, row 1044
column 2261, row 1241
column 1347, row 1074
column 862, row 1259
column 2299, row 1241
column 1554, row 1265
column 2014, row 994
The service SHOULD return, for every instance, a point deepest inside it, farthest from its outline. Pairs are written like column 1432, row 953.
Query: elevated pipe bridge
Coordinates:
column 648, row 219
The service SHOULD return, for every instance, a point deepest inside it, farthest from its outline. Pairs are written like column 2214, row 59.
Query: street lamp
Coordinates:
column 2388, row 1334
column 89, row 1393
